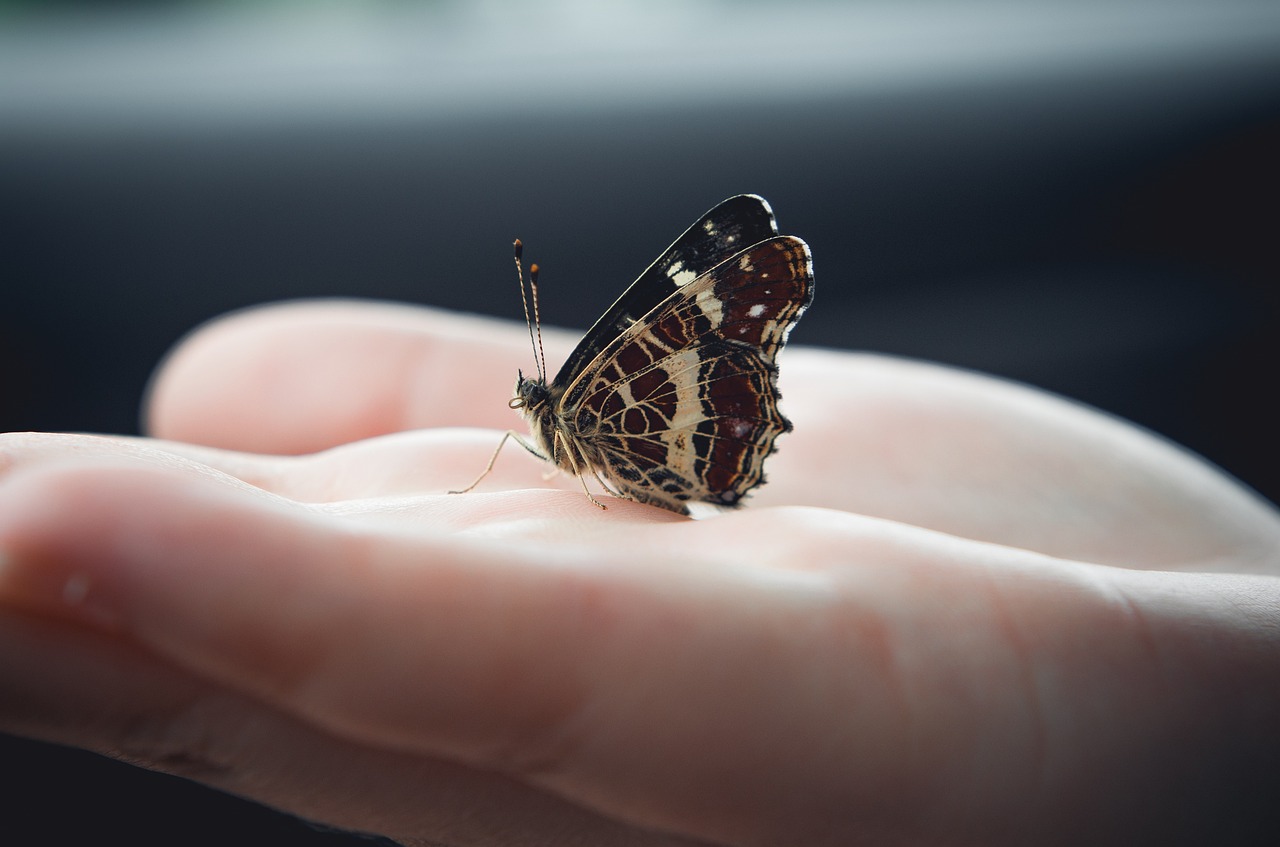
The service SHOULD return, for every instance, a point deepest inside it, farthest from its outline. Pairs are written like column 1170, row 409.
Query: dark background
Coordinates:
column 1080, row 197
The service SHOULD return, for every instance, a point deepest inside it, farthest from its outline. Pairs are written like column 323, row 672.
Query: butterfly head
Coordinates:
column 531, row 394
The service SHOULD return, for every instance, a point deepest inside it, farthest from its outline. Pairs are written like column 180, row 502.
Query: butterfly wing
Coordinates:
column 723, row 231
column 683, row 405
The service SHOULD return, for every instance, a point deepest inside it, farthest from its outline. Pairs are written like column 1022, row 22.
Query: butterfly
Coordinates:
column 671, row 398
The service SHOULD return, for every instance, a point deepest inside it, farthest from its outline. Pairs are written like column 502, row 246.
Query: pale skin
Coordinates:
column 961, row 611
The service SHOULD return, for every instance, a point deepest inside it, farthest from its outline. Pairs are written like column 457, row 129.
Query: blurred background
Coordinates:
column 1079, row 195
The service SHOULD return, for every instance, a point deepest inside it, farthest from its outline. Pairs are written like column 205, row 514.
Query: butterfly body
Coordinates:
column 671, row 398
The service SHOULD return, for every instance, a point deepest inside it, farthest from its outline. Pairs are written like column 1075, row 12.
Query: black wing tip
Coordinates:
column 744, row 201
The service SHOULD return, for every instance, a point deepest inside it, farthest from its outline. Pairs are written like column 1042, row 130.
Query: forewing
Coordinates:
column 683, row 405
column 723, row 231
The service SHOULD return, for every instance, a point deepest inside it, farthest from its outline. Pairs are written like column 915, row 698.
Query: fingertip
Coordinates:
column 272, row 379
column 45, row 562
column 301, row 377
column 73, row 536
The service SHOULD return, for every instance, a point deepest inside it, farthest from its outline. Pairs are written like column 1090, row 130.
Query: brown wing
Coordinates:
column 683, row 405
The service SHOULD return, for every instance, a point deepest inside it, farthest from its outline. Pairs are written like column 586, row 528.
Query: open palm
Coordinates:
column 961, row 611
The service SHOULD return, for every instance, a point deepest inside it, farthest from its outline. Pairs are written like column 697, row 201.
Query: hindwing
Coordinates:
column 682, row 405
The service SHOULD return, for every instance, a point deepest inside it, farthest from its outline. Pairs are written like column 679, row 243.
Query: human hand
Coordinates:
column 960, row 611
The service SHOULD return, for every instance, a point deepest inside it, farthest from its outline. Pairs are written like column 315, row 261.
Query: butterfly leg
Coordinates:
column 573, row 464
column 494, row 458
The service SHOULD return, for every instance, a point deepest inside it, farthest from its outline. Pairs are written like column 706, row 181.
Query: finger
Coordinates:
column 395, row 477
column 923, row 445
column 659, row 679
column 493, row 659
column 24, row 451
column 297, row 378
column 991, row 460
column 113, row 509
column 399, row 643
column 130, row 520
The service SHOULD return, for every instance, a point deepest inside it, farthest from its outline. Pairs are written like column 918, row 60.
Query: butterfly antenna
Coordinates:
column 537, row 318
column 524, row 301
